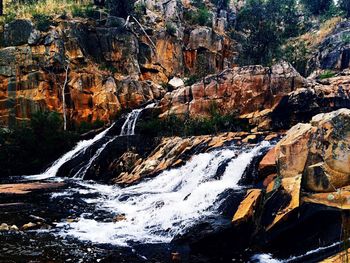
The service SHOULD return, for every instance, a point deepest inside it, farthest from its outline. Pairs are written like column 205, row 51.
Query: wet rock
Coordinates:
column 176, row 257
column 14, row 228
column 37, row 218
column 246, row 209
column 25, row 188
column 29, row 226
column 120, row 217
column 170, row 152
column 4, row 227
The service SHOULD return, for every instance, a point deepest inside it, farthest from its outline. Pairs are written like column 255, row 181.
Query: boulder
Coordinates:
column 267, row 165
column 17, row 32
column 176, row 82
column 292, row 151
column 246, row 209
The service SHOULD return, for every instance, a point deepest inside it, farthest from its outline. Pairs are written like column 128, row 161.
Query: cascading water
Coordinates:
column 80, row 147
column 128, row 128
column 157, row 210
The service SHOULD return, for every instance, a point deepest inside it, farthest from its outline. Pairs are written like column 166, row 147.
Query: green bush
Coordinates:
column 83, row 11
column 88, row 126
column 298, row 55
column 42, row 21
column 170, row 28
column 192, row 80
column 186, row 126
column 266, row 25
column 201, row 16
column 326, row 75
column 317, row 7
column 29, row 148
column 345, row 6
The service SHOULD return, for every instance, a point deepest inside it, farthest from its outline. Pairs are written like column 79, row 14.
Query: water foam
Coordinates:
column 158, row 209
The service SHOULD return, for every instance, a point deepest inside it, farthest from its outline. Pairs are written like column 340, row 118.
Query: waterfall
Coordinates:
column 131, row 120
column 128, row 128
column 157, row 210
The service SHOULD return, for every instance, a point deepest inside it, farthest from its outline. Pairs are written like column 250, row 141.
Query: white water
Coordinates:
column 80, row 147
column 128, row 128
column 159, row 209
column 131, row 120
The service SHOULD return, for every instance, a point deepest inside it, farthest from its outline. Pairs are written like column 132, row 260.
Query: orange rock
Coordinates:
column 246, row 209
column 267, row 165
column 24, row 188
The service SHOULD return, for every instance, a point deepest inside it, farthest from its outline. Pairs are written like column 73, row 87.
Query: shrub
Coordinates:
column 88, row 126
column 266, row 25
column 326, row 75
column 42, row 21
column 317, row 7
column 345, row 6
column 28, row 148
column 201, row 16
column 186, row 126
column 298, row 55
column 192, row 80
column 139, row 10
column 170, row 28
column 83, row 11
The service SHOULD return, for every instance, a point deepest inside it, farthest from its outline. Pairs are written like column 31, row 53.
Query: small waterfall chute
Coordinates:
column 128, row 128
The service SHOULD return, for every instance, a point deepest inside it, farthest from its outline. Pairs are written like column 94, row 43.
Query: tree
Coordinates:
column 121, row 8
column 317, row 7
column 266, row 25
column 1, row 7
column 345, row 5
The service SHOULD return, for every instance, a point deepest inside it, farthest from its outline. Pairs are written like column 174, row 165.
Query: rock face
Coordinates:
column 32, row 77
column 313, row 177
column 334, row 52
column 244, row 89
column 112, row 66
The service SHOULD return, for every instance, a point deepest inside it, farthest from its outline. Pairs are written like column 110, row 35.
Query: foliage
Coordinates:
column 186, row 126
column 202, row 16
column 83, row 11
column 317, row 7
column 29, row 148
column 41, row 10
column 192, row 80
column 139, row 10
column 326, row 75
column 345, row 6
column 42, row 21
column 121, row 8
column 266, row 24
column 170, row 28
column 88, row 126
column 222, row 4
column 298, row 55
